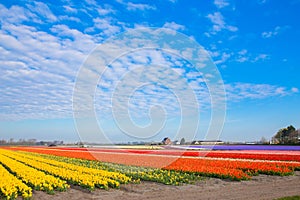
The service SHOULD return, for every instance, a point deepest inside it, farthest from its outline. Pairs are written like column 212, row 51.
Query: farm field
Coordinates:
column 42, row 172
column 279, row 155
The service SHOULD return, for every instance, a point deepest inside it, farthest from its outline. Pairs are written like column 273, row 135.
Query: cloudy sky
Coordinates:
column 45, row 46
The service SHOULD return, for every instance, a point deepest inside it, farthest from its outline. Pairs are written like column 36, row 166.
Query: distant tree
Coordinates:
column 2, row 142
column 294, row 137
column 182, row 141
column 287, row 135
column 166, row 141
column 263, row 140
column 81, row 144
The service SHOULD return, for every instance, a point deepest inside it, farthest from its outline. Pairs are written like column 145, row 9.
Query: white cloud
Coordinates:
column 271, row 33
column 214, row 54
column 221, row 3
column 218, row 20
column 138, row 6
column 242, row 59
column 220, row 57
column 42, row 10
column 243, row 91
column 106, row 25
column 38, row 68
column 262, row 1
column 295, row 90
column 232, row 28
column 69, row 18
column 219, row 23
column 105, row 10
column 174, row 26
column 242, row 56
column 79, row 41
column 91, row 2
column 243, row 52
column 17, row 15
column 261, row 57
column 224, row 57
column 70, row 9
column 277, row 30
column 160, row 83
column 39, row 65
column 280, row 91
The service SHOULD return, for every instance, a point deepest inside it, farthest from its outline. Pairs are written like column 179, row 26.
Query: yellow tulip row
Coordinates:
column 83, row 176
column 31, row 176
column 136, row 173
column 11, row 187
column 121, row 178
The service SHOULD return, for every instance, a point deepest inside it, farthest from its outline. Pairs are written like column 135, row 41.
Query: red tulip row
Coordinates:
column 257, row 155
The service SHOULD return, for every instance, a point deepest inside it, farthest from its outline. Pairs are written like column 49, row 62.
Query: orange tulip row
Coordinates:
column 234, row 169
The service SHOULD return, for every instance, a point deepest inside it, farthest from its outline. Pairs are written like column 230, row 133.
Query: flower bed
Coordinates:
column 222, row 168
column 246, row 154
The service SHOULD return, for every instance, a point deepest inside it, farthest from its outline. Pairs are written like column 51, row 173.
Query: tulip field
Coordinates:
column 24, row 170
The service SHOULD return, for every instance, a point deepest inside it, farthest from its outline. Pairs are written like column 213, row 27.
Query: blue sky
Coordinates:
column 253, row 44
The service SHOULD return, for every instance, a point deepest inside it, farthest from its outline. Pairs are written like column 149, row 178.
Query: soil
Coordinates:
column 260, row 187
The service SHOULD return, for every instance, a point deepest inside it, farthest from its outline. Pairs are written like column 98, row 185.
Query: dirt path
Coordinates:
column 261, row 187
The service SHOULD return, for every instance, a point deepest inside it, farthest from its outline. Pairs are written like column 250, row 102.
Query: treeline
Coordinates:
column 29, row 142
column 288, row 135
column 18, row 142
